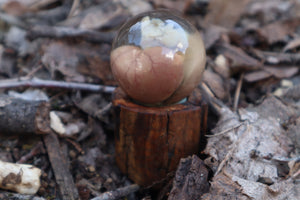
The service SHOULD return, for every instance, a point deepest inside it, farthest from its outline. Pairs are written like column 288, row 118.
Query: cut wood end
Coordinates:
column 21, row 178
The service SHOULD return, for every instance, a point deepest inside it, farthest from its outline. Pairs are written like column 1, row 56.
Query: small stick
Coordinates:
column 99, row 114
column 39, row 83
column 238, row 92
column 43, row 31
column 215, row 103
column 225, row 131
column 37, row 149
column 118, row 193
column 18, row 116
column 73, row 8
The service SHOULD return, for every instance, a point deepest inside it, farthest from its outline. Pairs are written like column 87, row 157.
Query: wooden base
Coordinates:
column 151, row 140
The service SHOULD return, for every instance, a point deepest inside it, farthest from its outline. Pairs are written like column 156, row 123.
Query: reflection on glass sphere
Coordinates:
column 158, row 58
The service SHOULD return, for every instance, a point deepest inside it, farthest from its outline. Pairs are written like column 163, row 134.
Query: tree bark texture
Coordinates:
column 19, row 116
column 151, row 140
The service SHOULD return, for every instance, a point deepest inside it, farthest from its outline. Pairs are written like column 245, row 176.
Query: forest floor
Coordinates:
column 56, row 110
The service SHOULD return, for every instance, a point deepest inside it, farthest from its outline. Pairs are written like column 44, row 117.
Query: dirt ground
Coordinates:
column 56, row 111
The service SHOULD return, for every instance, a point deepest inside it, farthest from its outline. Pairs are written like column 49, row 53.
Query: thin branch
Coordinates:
column 73, row 8
column 39, row 83
column 238, row 92
column 118, row 193
column 215, row 103
column 226, row 130
column 43, row 31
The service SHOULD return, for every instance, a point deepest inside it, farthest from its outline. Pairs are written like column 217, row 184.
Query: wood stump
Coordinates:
column 151, row 140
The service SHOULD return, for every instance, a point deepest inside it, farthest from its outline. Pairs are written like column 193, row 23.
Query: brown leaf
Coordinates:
column 79, row 59
column 222, row 187
column 279, row 30
column 257, row 76
column 179, row 5
column 215, row 83
column 109, row 14
column 14, row 8
column 293, row 44
column 212, row 34
column 277, row 57
column 268, row 71
column 238, row 57
column 282, row 71
column 136, row 6
column 225, row 13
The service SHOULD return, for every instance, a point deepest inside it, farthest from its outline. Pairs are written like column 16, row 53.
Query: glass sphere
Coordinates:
column 158, row 58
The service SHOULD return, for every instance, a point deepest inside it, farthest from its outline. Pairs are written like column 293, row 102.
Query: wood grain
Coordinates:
column 151, row 140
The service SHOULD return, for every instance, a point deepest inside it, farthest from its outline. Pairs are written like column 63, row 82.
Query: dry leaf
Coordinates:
column 215, row 83
column 293, row 44
column 282, row 71
column 179, row 5
column 225, row 13
column 107, row 15
column 190, row 180
column 245, row 152
column 279, row 30
column 257, row 76
column 136, row 7
column 212, row 34
column 237, row 57
column 76, row 60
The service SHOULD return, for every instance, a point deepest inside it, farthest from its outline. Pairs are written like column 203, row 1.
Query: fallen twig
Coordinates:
column 19, row 116
column 238, row 92
column 39, row 31
column 226, row 130
column 118, row 193
column 215, row 103
column 75, row 4
column 37, row 149
column 39, row 83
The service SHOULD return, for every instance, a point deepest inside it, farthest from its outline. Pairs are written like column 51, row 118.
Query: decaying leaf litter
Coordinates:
column 251, row 82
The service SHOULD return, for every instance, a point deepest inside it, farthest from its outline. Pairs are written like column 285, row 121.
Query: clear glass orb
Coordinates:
column 158, row 58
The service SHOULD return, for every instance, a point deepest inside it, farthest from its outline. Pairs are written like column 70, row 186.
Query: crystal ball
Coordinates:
column 158, row 58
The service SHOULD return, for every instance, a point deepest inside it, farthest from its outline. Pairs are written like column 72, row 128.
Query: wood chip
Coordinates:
column 190, row 180
column 60, row 167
